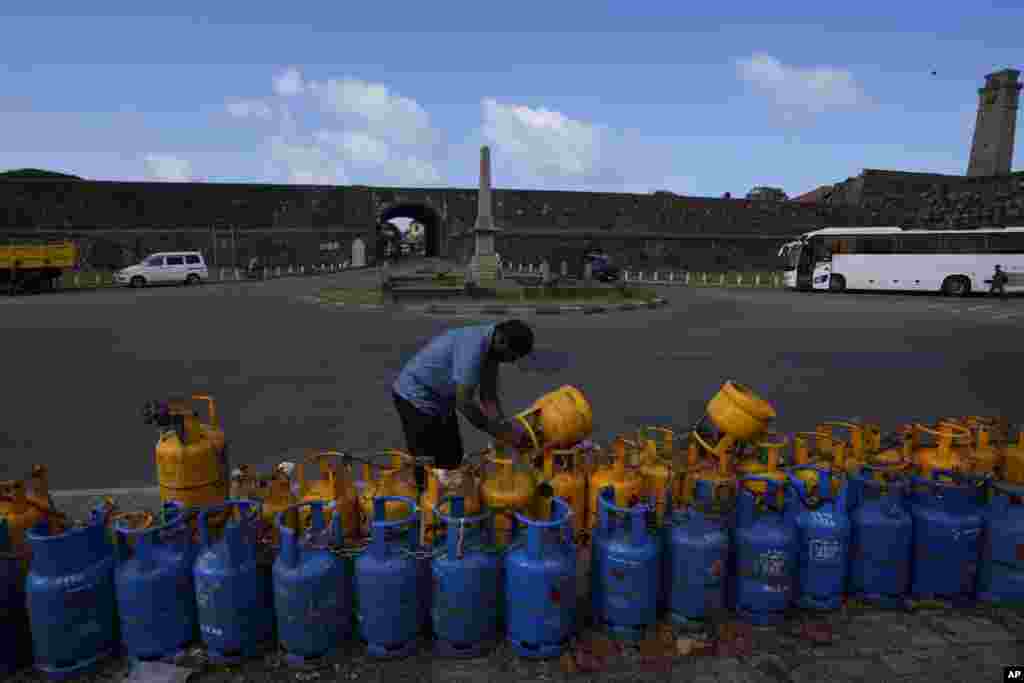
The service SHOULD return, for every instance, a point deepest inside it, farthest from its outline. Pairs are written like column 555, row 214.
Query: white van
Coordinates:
column 168, row 267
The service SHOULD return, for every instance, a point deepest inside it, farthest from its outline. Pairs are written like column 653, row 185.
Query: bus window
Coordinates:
column 919, row 244
column 876, row 245
column 1006, row 244
column 966, row 244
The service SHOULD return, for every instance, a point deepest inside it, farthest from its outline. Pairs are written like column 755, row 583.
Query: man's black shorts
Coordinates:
column 431, row 436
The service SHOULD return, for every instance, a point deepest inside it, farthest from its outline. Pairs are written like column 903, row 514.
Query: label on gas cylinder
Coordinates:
column 824, row 549
column 772, row 564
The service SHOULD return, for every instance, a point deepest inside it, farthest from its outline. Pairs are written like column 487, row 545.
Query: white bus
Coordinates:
column 953, row 262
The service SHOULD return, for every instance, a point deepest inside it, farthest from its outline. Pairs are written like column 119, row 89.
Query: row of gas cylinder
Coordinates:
column 722, row 516
column 148, row 589
column 145, row 587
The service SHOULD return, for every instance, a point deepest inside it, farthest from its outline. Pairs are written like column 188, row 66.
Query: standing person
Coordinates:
column 999, row 280
column 442, row 379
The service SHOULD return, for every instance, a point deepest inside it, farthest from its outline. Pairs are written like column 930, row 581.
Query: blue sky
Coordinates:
column 602, row 96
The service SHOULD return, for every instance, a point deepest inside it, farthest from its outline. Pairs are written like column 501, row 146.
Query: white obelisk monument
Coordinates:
column 483, row 266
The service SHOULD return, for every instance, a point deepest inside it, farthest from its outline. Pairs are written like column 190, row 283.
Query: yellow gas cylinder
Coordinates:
column 941, row 456
column 899, row 457
column 468, row 488
column 766, row 464
column 508, row 485
column 657, row 460
column 275, row 492
column 189, row 470
column 692, row 462
column 829, row 453
column 559, row 419
column 627, row 482
column 872, row 437
column 983, row 458
column 213, row 431
column 242, row 483
column 393, row 479
column 717, row 474
column 820, row 453
column 1013, row 459
column 563, row 472
column 857, row 449
column 336, row 486
column 25, row 503
column 738, row 414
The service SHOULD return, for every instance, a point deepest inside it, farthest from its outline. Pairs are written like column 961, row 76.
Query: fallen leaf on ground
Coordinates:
column 588, row 663
column 819, row 632
column 568, row 662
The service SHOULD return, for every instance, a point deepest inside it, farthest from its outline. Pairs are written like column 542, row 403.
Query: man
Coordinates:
column 443, row 378
column 999, row 280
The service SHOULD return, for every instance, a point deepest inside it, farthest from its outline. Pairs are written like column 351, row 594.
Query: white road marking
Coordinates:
column 979, row 308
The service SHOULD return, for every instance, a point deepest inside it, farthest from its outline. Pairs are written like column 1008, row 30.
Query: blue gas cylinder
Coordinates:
column 233, row 590
column 387, row 582
column 625, row 568
column 947, row 536
column 16, row 652
column 312, row 585
column 71, row 603
column 466, row 582
column 153, row 584
column 881, row 537
column 1001, row 574
column 823, row 538
column 766, row 554
column 540, row 586
column 697, row 551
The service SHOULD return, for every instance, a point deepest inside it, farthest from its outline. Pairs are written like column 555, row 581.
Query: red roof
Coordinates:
column 814, row 195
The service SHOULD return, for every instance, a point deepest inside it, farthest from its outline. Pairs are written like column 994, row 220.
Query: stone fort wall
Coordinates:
column 117, row 223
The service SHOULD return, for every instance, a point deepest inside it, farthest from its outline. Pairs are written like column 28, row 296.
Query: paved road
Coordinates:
column 291, row 375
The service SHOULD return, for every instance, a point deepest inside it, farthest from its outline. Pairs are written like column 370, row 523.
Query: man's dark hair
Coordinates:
column 518, row 336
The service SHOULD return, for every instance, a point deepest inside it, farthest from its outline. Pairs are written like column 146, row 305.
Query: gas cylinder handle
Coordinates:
column 771, row 486
column 890, row 478
column 1012, row 490
column 955, row 431
column 561, row 515
column 254, row 507
column 882, row 465
column 812, row 500
column 211, row 408
column 782, row 442
column 818, row 435
column 379, row 523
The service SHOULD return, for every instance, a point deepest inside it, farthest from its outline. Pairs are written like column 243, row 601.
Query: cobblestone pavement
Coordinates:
column 954, row 646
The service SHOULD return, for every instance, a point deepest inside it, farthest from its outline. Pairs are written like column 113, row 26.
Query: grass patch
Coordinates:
column 85, row 280
column 352, row 296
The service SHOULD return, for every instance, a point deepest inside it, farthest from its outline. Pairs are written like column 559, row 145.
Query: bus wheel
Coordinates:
column 836, row 283
column 956, row 285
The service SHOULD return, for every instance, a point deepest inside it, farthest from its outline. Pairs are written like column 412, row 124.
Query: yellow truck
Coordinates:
column 29, row 266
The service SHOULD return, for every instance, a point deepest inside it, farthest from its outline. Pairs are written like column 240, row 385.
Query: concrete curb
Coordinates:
column 208, row 283
column 492, row 309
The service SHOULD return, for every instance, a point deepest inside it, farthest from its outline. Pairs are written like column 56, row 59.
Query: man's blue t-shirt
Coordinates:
column 456, row 357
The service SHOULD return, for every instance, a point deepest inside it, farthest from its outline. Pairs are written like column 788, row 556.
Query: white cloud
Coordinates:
column 169, row 168
column 378, row 111
column 289, row 83
column 245, row 109
column 305, row 164
column 538, row 144
column 799, row 93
